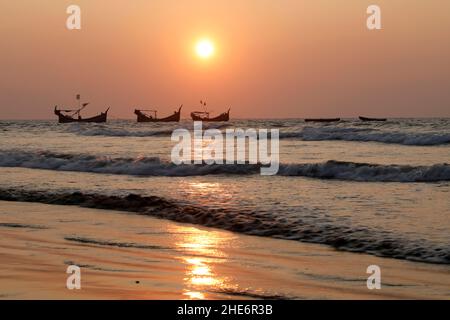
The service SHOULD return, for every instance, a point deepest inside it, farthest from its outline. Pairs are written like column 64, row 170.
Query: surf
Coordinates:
column 155, row 166
column 343, row 237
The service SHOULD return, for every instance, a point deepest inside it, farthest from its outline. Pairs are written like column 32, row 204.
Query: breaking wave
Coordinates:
column 116, row 132
column 154, row 166
column 307, row 133
column 342, row 237
column 368, row 135
column 102, row 130
column 369, row 172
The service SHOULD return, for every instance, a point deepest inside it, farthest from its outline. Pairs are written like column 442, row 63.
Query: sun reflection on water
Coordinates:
column 208, row 193
column 194, row 295
column 202, row 254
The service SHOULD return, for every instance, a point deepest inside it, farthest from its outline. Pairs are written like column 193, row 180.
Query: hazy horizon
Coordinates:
column 284, row 59
column 186, row 116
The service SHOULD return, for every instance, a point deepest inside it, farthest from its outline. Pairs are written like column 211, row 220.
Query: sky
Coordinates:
column 272, row 59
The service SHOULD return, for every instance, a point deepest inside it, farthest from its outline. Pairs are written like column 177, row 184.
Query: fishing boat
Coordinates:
column 371, row 119
column 143, row 116
column 204, row 115
column 322, row 119
column 74, row 115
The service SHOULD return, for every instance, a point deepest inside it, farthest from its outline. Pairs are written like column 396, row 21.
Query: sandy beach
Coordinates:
column 127, row 256
column 225, row 150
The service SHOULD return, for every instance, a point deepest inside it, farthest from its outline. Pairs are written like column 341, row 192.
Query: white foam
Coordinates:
column 368, row 134
column 153, row 166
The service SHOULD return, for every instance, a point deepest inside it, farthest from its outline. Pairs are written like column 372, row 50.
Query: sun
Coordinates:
column 204, row 49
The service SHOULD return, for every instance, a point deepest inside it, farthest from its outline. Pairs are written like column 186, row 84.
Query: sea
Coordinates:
column 380, row 188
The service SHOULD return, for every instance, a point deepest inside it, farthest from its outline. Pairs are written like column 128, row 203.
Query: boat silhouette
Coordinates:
column 68, row 115
column 143, row 117
column 322, row 119
column 204, row 115
column 371, row 119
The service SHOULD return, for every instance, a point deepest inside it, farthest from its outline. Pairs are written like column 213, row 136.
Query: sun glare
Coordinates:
column 204, row 49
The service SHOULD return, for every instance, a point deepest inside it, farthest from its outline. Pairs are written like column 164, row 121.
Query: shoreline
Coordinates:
column 125, row 256
column 224, row 219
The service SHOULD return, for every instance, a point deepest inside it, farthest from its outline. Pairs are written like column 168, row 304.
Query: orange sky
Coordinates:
column 273, row 59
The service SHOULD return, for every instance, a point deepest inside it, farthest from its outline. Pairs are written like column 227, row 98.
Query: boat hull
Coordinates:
column 141, row 117
column 220, row 118
column 372, row 119
column 96, row 119
column 323, row 120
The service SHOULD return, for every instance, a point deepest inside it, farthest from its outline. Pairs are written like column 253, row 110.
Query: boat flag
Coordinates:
column 78, row 97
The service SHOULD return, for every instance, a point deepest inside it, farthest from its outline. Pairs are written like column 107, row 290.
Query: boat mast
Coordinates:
column 155, row 112
column 80, row 106
column 203, row 104
column 79, row 98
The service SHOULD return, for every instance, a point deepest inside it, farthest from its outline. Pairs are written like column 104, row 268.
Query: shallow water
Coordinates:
column 380, row 188
column 128, row 256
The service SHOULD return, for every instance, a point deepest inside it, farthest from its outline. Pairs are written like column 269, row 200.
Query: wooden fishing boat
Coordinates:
column 73, row 115
column 371, row 119
column 204, row 115
column 322, row 119
column 143, row 117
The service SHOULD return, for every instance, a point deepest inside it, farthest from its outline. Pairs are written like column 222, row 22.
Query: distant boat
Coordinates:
column 323, row 120
column 371, row 119
column 143, row 117
column 204, row 115
column 68, row 115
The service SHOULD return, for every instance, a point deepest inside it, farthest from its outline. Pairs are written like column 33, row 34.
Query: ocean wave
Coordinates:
column 368, row 135
column 353, row 171
column 323, row 133
column 20, row 225
column 154, row 166
column 342, row 237
column 116, row 132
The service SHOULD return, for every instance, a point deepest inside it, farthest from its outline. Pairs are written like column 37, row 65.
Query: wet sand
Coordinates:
column 127, row 256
